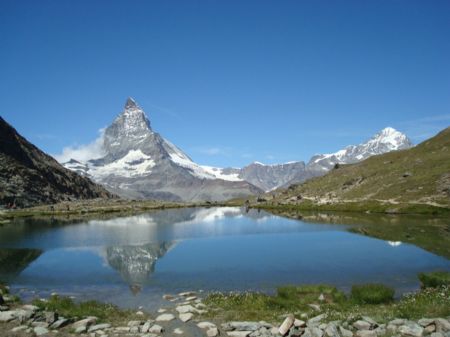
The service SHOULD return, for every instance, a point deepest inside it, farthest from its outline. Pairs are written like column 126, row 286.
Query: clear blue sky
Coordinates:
column 227, row 81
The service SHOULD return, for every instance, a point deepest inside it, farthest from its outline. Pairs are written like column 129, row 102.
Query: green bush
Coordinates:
column 434, row 279
column 372, row 294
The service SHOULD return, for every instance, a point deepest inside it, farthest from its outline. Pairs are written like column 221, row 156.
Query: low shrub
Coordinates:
column 434, row 279
column 372, row 294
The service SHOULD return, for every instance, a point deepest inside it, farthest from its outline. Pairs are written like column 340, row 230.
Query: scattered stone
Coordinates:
column 331, row 330
column 160, row 311
column 50, row 317
column 294, row 332
column 4, row 308
column 206, row 325
column 134, row 329
column 122, row 329
column 39, row 331
column 398, row 321
column 178, row 331
column 85, row 322
column 437, row 334
column 97, row 327
column 321, row 298
column 81, row 329
column 30, row 307
column 429, row 329
column 134, row 323
column 212, row 332
column 156, row 329
column 370, row 320
column 19, row 328
column 299, row 323
column 238, row 333
column 39, row 324
column 286, row 325
column 313, row 332
column 366, row 333
column 411, row 329
column 345, row 333
column 315, row 307
column 186, row 317
column 442, row 325
column 316, row 320
column 183, row 309
column 7, row 316
column 191, row 298
column 361, row 325
column 241, row 326
column 60, row 323
column 146, row 327
column 168, row 297
column 140, row 313
column 165, row 318
column 425, row 322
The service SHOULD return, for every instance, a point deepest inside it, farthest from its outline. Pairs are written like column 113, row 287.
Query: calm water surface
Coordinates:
column 132, row 261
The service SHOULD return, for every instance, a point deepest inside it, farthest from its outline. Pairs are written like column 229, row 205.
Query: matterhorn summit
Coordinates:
column 140, row 164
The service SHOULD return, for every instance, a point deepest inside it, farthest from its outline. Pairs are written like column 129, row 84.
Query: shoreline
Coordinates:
column 190, row 314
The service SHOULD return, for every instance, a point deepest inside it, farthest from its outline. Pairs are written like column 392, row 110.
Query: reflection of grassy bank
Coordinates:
column 431, row 302
column 13, row 261
column 431, row 234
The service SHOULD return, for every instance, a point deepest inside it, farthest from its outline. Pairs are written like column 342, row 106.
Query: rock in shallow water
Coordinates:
column 165, row 318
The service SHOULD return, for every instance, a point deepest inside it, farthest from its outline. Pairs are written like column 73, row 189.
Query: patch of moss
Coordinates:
column 372, row 294
column 434, row 279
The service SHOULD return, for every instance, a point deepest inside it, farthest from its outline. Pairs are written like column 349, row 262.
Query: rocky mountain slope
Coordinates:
column 420, row 175
column 28, row 176
column 270, row 177
column 140, row 164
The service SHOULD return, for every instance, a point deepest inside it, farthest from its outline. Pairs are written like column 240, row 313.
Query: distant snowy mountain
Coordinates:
column 140, row 164
column 269, row 177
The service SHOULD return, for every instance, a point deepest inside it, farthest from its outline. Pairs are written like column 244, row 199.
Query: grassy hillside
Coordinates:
column 414, row 179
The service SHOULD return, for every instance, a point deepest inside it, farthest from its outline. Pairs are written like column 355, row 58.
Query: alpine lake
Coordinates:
column 132, row 261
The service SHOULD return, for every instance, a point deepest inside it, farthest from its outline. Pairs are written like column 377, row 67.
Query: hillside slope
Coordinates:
column 420, row 175
column 29, row 177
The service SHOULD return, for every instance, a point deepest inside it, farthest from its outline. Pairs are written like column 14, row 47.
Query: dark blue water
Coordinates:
column 132, row 261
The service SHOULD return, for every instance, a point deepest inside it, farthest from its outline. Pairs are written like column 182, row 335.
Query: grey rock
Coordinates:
column 50, row 317
column 178, row 331
column 241, row 326
column 314, row 331
column 442, row 325
column 39, row 331
column 4, row 308
column 134, row 323
column 286, row 325
column 206, row 325
column 39, row 324
column 316, row 320
column 429, row 329
column 425, row 322
column 134, row 329
column 398, row 321
column 315, row 307
column 146, row 326
column 212, row 332
column 361, row 325
column 183, row 309
column 344, row 332
column 81, row 329
column 299, row 323
column 156, row 329
column 366, row 333
column 411, row 329
column 295, row 332
column 238, row 333
column 331, row 330
column 84, row 322
column 368, row 319
column 165, row 318
column 437, row 334
column 186, row 317
column 97, row 327
column 7, row 316
column 60, row 323
column 19, row 328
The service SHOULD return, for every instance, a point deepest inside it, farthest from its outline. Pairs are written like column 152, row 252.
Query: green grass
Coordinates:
column 372, row 294
column 66, row 307
column 431, row 302
column 434, row 279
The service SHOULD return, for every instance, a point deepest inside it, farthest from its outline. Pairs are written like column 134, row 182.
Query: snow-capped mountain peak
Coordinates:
column 388, row 139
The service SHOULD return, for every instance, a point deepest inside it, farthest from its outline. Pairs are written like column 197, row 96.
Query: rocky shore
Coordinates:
column 184, row 316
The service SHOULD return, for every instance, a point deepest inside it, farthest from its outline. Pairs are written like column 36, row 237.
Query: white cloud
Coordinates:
column 83, row 152
column 212, row 151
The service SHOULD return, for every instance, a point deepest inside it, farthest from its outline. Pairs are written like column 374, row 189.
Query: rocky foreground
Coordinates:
column 182, row 317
